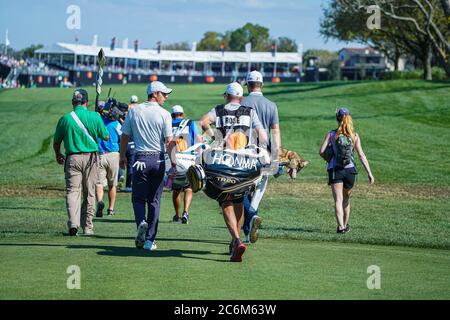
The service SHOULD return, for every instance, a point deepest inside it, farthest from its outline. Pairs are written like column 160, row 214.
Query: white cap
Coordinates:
column 255, row 76
column 157, row 86
column 177, row 109
column 134, row 99
column 235, row 89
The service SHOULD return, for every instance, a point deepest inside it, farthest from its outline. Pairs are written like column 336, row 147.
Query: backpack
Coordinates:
column 344, row 151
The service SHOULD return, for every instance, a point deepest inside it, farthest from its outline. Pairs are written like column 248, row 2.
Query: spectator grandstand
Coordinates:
column 129, row 65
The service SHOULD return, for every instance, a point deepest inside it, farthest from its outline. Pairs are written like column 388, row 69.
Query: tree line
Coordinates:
column 418, row 28
column 235, row 40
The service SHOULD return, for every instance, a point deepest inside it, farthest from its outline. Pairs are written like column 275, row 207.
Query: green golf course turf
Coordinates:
column 401, row 224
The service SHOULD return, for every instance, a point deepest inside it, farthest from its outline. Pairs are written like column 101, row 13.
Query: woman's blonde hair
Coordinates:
column 346, row 128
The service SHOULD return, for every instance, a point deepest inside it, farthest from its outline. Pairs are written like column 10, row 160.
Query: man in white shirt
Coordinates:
column 150, row 127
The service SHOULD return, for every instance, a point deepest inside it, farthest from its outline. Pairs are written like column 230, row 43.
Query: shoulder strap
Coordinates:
column 81, row 125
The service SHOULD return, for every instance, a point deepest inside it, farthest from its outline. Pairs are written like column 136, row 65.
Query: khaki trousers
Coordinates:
column 81, row 173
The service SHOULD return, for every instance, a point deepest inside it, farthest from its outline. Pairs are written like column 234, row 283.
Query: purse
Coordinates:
column 328, row 154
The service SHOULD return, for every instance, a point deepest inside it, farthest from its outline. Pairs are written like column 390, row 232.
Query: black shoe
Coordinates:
column 341, row 231
column 176, row 219
column 100, row 207
column 110, row 212
column 73, row 232
column 348, row 228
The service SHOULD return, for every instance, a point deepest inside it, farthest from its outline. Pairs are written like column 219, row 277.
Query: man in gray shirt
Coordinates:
column 267, row 112
column 150, row 127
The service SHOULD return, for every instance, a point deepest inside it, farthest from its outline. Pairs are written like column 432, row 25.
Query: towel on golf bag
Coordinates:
column 226, row 175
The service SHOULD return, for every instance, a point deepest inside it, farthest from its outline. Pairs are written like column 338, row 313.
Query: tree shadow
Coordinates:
column 307, row 87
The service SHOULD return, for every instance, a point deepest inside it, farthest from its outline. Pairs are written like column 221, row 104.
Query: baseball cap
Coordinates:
column 80, row 95
column 234, row 89
column 157, row 86
column 342, row 111
column 134, row 99
column 177, row 109
column 255, row 76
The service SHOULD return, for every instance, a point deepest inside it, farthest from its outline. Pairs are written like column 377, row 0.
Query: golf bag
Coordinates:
column 226, row 175
column 184, row 160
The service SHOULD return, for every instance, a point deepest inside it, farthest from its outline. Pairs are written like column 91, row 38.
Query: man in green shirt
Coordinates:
column 80, row 131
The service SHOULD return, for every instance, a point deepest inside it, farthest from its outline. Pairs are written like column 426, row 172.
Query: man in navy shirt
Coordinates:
column 109, row 166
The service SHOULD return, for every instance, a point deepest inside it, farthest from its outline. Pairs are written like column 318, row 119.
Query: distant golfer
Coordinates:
column 80, row 130
column 109, row 165
column 150, row 126
column 337, row 149
column 185, row 134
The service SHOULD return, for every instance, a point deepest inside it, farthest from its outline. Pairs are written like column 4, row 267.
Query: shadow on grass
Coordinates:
column 115, row 251
column 112, row 220
column 301, row 88
column 381, row 91
column 164, row 239
column 28, row 208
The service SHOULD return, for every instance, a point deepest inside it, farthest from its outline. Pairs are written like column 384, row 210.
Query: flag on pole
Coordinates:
column 7, row 43
column 95, row 41
column 113, row 44
column 158, row 47
column 136, row 45
column 194, row 46
column 125, row 43
column 248, row 47
column 274, row 49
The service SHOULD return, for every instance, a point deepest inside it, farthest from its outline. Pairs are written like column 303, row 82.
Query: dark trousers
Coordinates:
column 130, row 154
column 248, row 214
column 147, row 190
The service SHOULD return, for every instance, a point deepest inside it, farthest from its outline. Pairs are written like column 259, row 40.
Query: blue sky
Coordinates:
column 149, row 21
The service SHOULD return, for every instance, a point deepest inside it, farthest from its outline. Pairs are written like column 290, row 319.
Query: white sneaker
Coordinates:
column 255, row 223
column 149, row 245
column 140, row 236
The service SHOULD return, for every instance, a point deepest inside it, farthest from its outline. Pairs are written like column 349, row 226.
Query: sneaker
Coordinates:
column 150, row 245
column 140, row 236
column 348, row 228
column 176, row 219
column 185, row 218
column 238, row 251
column 255, row 223
column 73, row 231
column 100, row 207
column 247, row 239
column 88, row 232
column 340, row 231
column 120, row 183
column 110, row 212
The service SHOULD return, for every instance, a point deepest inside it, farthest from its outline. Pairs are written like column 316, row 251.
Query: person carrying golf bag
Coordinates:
column 231, row 168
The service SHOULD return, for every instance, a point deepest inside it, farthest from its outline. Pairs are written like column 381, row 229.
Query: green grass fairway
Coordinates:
column 401, row 225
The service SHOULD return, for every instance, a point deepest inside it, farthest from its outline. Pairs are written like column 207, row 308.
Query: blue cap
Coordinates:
column 342, row 112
